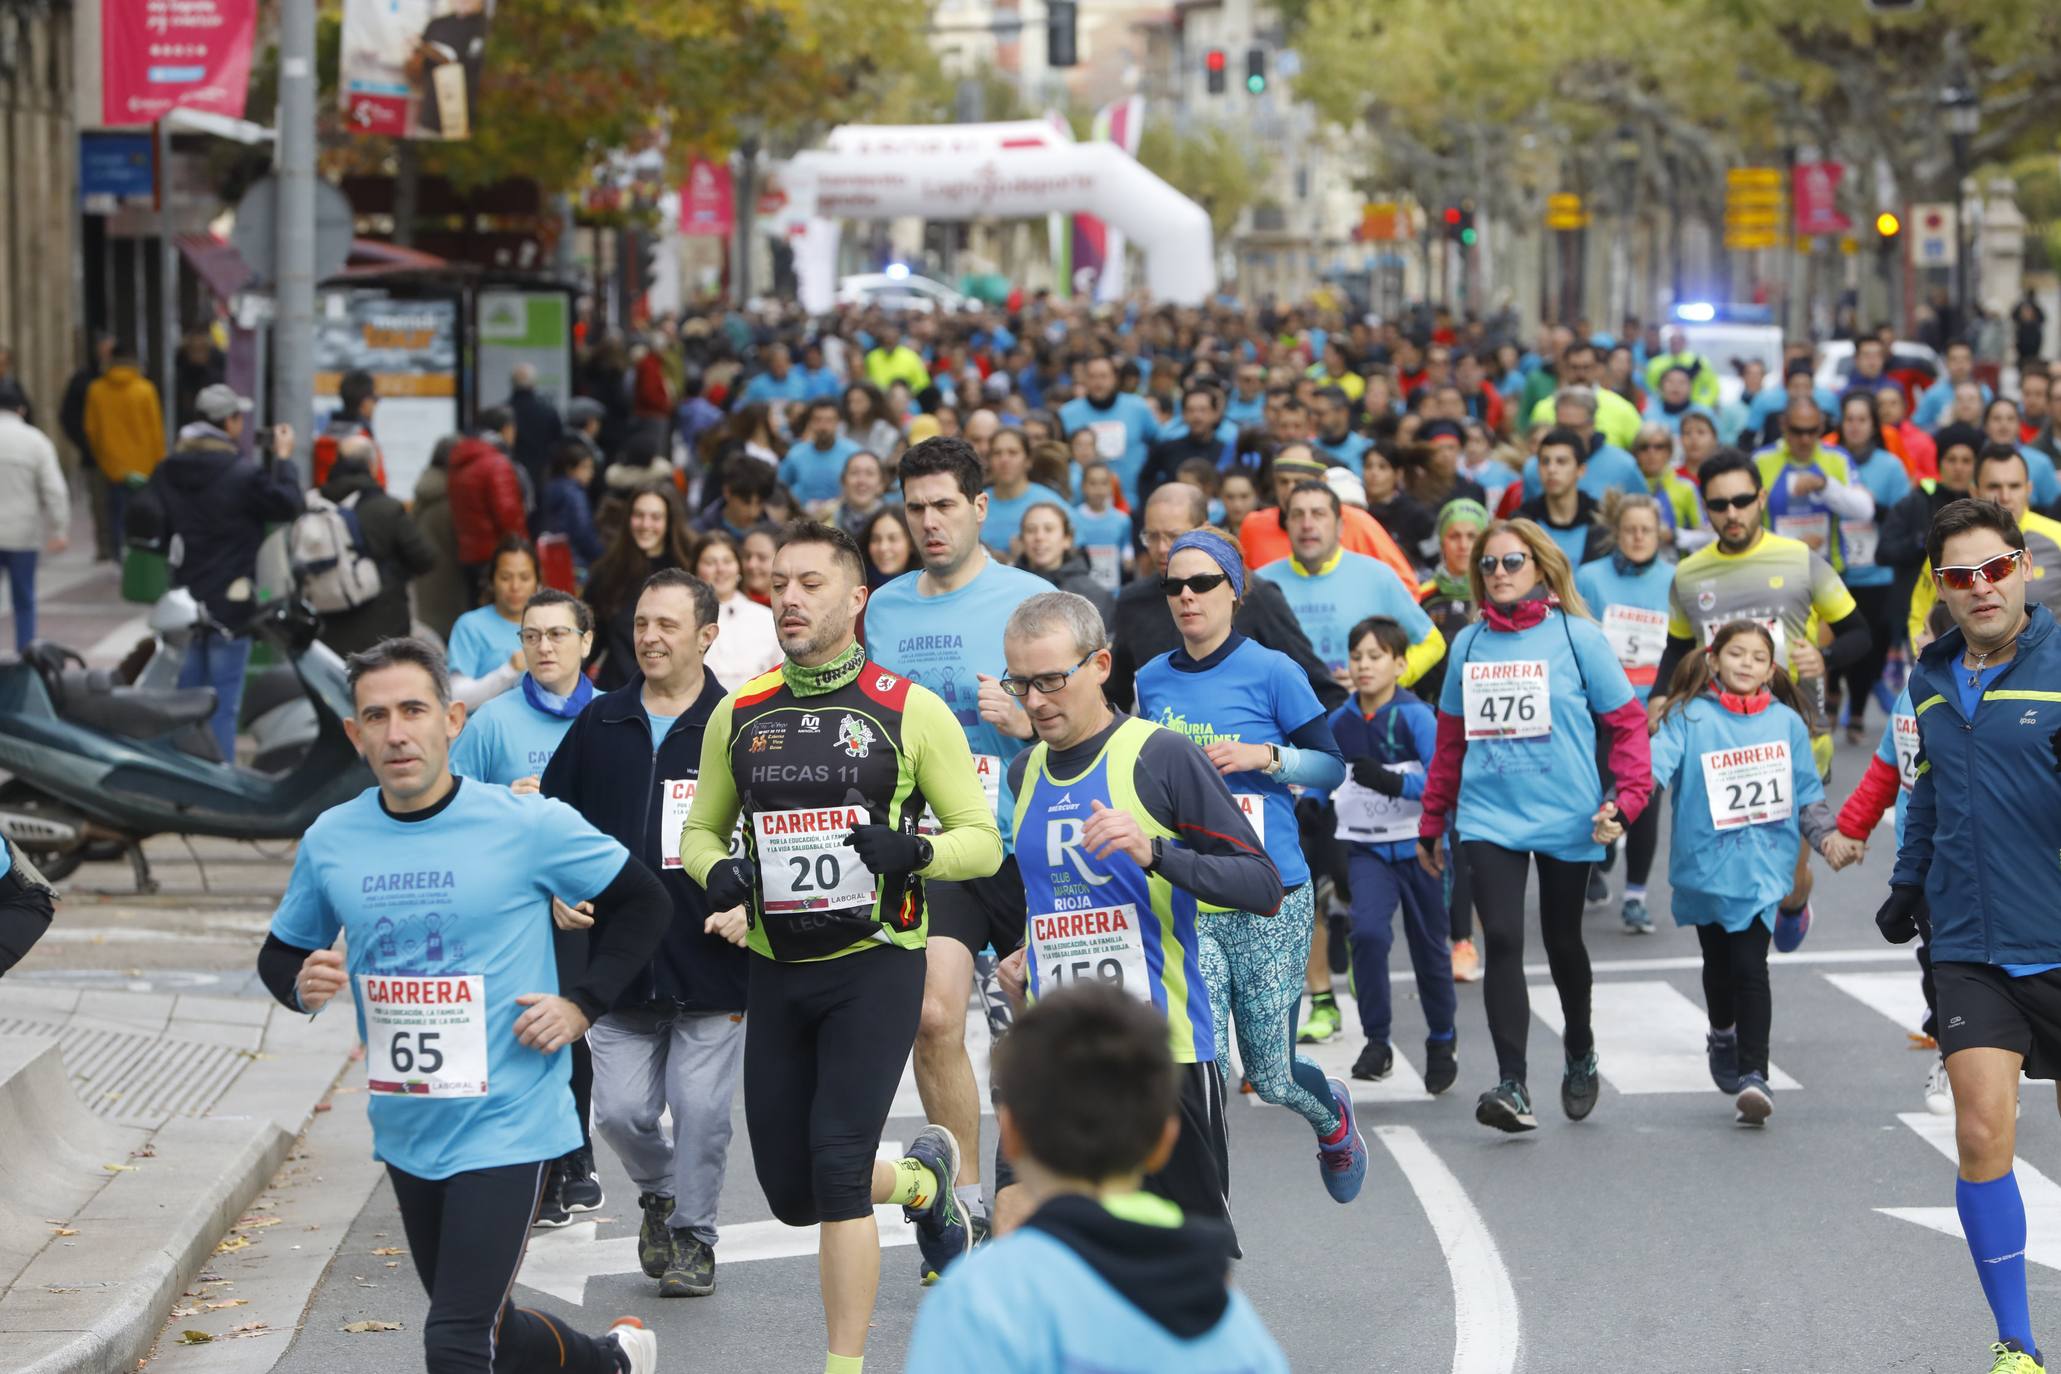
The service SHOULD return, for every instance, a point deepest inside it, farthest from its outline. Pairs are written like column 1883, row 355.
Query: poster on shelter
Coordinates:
column 410, row 346
column 411, row 68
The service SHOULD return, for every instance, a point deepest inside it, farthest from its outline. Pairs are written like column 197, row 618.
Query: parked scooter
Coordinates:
column 93, row 762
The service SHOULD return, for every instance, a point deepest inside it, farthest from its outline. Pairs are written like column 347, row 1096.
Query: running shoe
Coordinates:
column 654, row 1237
column 940, row 1224
column 1579, row 1086
column 1636, row 921
column 551, row 1212
column 1791, row 927
column 581, row 1186
column 1376, row 1062
column 1466, row 962
column 1323, row 1022
column 1599, row 887
column 690, row 1269
column 1723, row 1049
column 1343, row 1166
column 1939, row 1093
column 993, row 1002
column 1507, row 1107
column 2010, row 1358
column 639, row 1347
column 1441, row 1065
column 1922, row 1041
column 979, row 1230
column 1338, row 949
column 1755, row 1102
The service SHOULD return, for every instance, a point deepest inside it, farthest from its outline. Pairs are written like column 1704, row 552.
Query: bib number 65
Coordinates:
column 416, row 1052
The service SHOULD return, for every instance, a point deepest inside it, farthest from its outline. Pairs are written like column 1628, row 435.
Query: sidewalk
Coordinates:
column 79, row 602
column 132, row 1154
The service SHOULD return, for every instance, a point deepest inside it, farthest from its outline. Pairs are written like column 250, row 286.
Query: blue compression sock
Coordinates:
column 1993, row 1219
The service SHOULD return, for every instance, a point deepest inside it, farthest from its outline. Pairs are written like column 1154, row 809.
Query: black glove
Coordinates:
column 1898, row 918
column 885, row 849
column 1372, row 776
column 728, row 885
column 1428, row 847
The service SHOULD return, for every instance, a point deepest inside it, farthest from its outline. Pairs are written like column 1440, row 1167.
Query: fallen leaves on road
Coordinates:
column 62, row 1231
column 388, row 1250
column 119, row 1168
column 226, row 1302
column 230, row 1243
column 255, row 1223
column 144, row 1151
column 194, row 1338
column 360, row 1328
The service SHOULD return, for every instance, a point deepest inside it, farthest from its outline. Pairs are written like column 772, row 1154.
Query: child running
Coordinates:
column 1103, row 530
column 1733, row 748
column 1387, row 736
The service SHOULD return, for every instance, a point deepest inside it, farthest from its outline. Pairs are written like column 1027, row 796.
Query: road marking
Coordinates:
column 1688, row 963
column 2042, row 1196
column 1485, row 1314
column 1897, row 996
column 1649, row 1037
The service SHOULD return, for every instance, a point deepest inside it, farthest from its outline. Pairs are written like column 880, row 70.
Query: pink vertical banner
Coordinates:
column 1098, row 250
column 1814, row 192
column 706, row 206
column 157, row 56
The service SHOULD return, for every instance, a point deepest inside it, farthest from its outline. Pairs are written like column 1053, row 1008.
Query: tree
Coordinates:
column 1211, row 166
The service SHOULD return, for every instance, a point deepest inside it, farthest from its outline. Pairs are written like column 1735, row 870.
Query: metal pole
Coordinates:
column 167, row 289
column 293, row 332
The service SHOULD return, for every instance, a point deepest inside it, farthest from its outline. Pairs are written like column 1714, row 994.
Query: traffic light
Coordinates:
column 1452, row 219
column 1213, row 66
column 1059, row 34
column 1468, row 237
column 1888, row 225
column 1256, row 71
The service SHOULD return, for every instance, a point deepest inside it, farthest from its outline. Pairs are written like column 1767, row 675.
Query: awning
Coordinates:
column 216, row 262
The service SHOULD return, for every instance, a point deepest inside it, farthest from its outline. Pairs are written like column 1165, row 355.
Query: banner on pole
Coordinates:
column 157, row 56
column 706, row 200
column 1814, row 191
column 411, row 68
column 1098, row 251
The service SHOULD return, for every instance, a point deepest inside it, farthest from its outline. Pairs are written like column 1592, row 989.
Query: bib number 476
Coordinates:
column 1509, row 710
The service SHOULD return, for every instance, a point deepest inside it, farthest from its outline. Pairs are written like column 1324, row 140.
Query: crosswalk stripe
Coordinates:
column 1897, row 996
column 1335, row 1057
column 1649, row 1038
column 2042, row 1195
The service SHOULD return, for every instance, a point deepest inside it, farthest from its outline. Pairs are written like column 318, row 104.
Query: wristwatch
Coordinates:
column 924, row 853
column 1273, row 769
column 1153, row 866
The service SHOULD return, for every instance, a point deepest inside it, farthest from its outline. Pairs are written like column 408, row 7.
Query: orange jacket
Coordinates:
column 1262, row 540
column 124, row 425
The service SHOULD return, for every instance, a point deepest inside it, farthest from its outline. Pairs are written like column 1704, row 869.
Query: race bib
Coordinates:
column 804, row 863
column 1508, row 700
column 425, row 1036
column 1815, row 530
column 1099, row 946
column 1106, row 565
column 1112, row 437
column 1368, row 817
column 1904, row 730
column 1255, row 808
column 1861, row 540
column 988, row 769
column 1748, row 786
column 679, row 800
column 1637, row 637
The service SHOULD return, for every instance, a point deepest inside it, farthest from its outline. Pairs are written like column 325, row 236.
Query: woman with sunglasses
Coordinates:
column 1527, row 693
column 1255, row 715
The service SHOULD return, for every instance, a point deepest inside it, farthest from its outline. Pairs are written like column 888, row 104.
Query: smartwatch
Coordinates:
column 924, row 853
column 1273, row 769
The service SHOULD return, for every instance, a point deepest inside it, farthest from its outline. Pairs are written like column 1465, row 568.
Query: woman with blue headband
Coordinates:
column 1254, row 714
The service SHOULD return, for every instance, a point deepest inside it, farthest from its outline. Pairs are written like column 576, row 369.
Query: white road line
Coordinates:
column 2042, row 1195
column 1897, row 996
column 1649, row 1037
column 1688, row 963
column 114, row 646
column 1485, row 1315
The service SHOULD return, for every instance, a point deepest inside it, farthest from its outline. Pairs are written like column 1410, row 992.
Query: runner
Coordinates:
column 941, row 626
column 1448, row 599
column 1562, row 509
column 1388, row 736
column 1252, row 711
column 1880, row 474
column 1133, row 818
column 441, row 889
column 1983, row 826
column 836, row 754
column 1751, row 574
column 2000, row 476
column 1122, row 423
column 1627, row 589
column 1516, row 758
column 674, row 1041
column 1734, row 746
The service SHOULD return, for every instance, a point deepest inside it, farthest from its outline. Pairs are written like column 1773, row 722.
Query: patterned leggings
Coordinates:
column 1254, row 966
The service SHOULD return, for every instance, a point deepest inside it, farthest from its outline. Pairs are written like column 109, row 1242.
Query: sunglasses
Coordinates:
column 1807, row 432
column 1509, row 562
column 1720, row 504
column 1992, row 572
column 1201, row 584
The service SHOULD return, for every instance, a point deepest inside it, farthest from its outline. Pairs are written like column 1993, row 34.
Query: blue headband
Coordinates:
column 1220, row 551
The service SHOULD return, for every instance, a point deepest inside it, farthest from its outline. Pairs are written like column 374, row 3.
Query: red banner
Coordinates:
column 706, row 206
column 160, row 55
column 1814, row 192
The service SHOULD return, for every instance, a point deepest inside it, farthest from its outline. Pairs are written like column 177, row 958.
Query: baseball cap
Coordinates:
column 219, row 402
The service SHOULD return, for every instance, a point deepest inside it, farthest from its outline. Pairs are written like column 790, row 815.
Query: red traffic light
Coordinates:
column 1452, row 214
column 1214, row 59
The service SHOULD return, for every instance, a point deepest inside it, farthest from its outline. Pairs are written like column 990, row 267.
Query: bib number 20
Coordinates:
column 821, row 876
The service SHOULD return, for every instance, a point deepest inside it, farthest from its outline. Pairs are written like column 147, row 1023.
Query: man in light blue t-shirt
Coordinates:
column 1123, row 424
column 1331, row 589
column 814, row 467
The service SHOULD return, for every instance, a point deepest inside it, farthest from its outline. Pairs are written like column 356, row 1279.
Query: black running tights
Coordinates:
column 1735, row 988
column 1499, row 878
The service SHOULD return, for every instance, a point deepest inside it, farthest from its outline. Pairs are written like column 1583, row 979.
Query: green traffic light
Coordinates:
column 1255, row 84
column 1467, row 236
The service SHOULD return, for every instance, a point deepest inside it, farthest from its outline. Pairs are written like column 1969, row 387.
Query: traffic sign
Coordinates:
column 1382, row 222
column 1564, row 210
column 1932, row 227
column 1755, row 208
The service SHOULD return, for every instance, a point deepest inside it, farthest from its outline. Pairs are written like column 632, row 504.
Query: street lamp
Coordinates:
column 1961, row 112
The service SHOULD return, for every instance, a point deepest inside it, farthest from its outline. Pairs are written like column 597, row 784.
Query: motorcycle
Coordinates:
column 94, row 764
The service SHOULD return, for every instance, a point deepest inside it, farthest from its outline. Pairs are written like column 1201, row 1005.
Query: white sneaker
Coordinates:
column 1939, row 1094
column 639, row 1344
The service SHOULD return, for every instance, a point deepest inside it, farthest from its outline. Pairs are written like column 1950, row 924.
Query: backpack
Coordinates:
column 325, row 547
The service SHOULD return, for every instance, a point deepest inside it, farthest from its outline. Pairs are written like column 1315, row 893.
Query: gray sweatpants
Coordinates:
column 647, row 1060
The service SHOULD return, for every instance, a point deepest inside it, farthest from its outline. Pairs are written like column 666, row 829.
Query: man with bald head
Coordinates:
column 1144, row 628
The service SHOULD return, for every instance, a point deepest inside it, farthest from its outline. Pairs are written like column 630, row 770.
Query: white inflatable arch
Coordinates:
column 986, row 171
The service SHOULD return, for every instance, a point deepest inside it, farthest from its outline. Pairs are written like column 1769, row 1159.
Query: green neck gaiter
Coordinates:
column 815, row 682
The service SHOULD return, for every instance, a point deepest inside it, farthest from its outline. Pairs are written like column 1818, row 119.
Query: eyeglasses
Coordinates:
column 1992, row 572
column 1720, row 504
column 1655, row 444
column 1046, row 683
column 557, row 634
column 1202, row 584
column 1509, row 562
column 1806, row 432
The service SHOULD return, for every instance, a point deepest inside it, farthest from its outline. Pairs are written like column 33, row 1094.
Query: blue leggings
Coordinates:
column 1379, row 886
column 1255, row 967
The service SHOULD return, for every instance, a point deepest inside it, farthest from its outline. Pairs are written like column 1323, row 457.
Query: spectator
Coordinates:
column 392, row 541
column 198, row 365
column 865, row 423
column 125, row 428
column 33, row 506
column 890, row 551
column 584, row 417
column 654, row 536
column 651, row 402
column 72, row 419
column 537, row 426
column 356, row 396
column 747, row 644
column 564, row 509
column 696, row 415
column 217, row 505
column 441, row 594
column 486, row 498
column 746, row 487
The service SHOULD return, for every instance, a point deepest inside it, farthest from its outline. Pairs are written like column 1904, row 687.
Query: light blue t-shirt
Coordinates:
column 1537, row 793
column 1937, row 399
column 1351, row 451
column 1110, row 529
column 463, row 894
column 816, row 474
column 945, row 643
column 481, row 641
column 1328, row 604
column 1609, row 469
column 507, row 739
column 1005, row 515
column 769, row 389
column 659, row 726
column 1254, row 695
column 1735, row 875
column 1884, row 478
column 1240, row 413
column 1124, row 430
column 1645, row 589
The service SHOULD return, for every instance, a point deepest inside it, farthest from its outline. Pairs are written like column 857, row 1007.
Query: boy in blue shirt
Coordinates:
column 1102, row 1276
